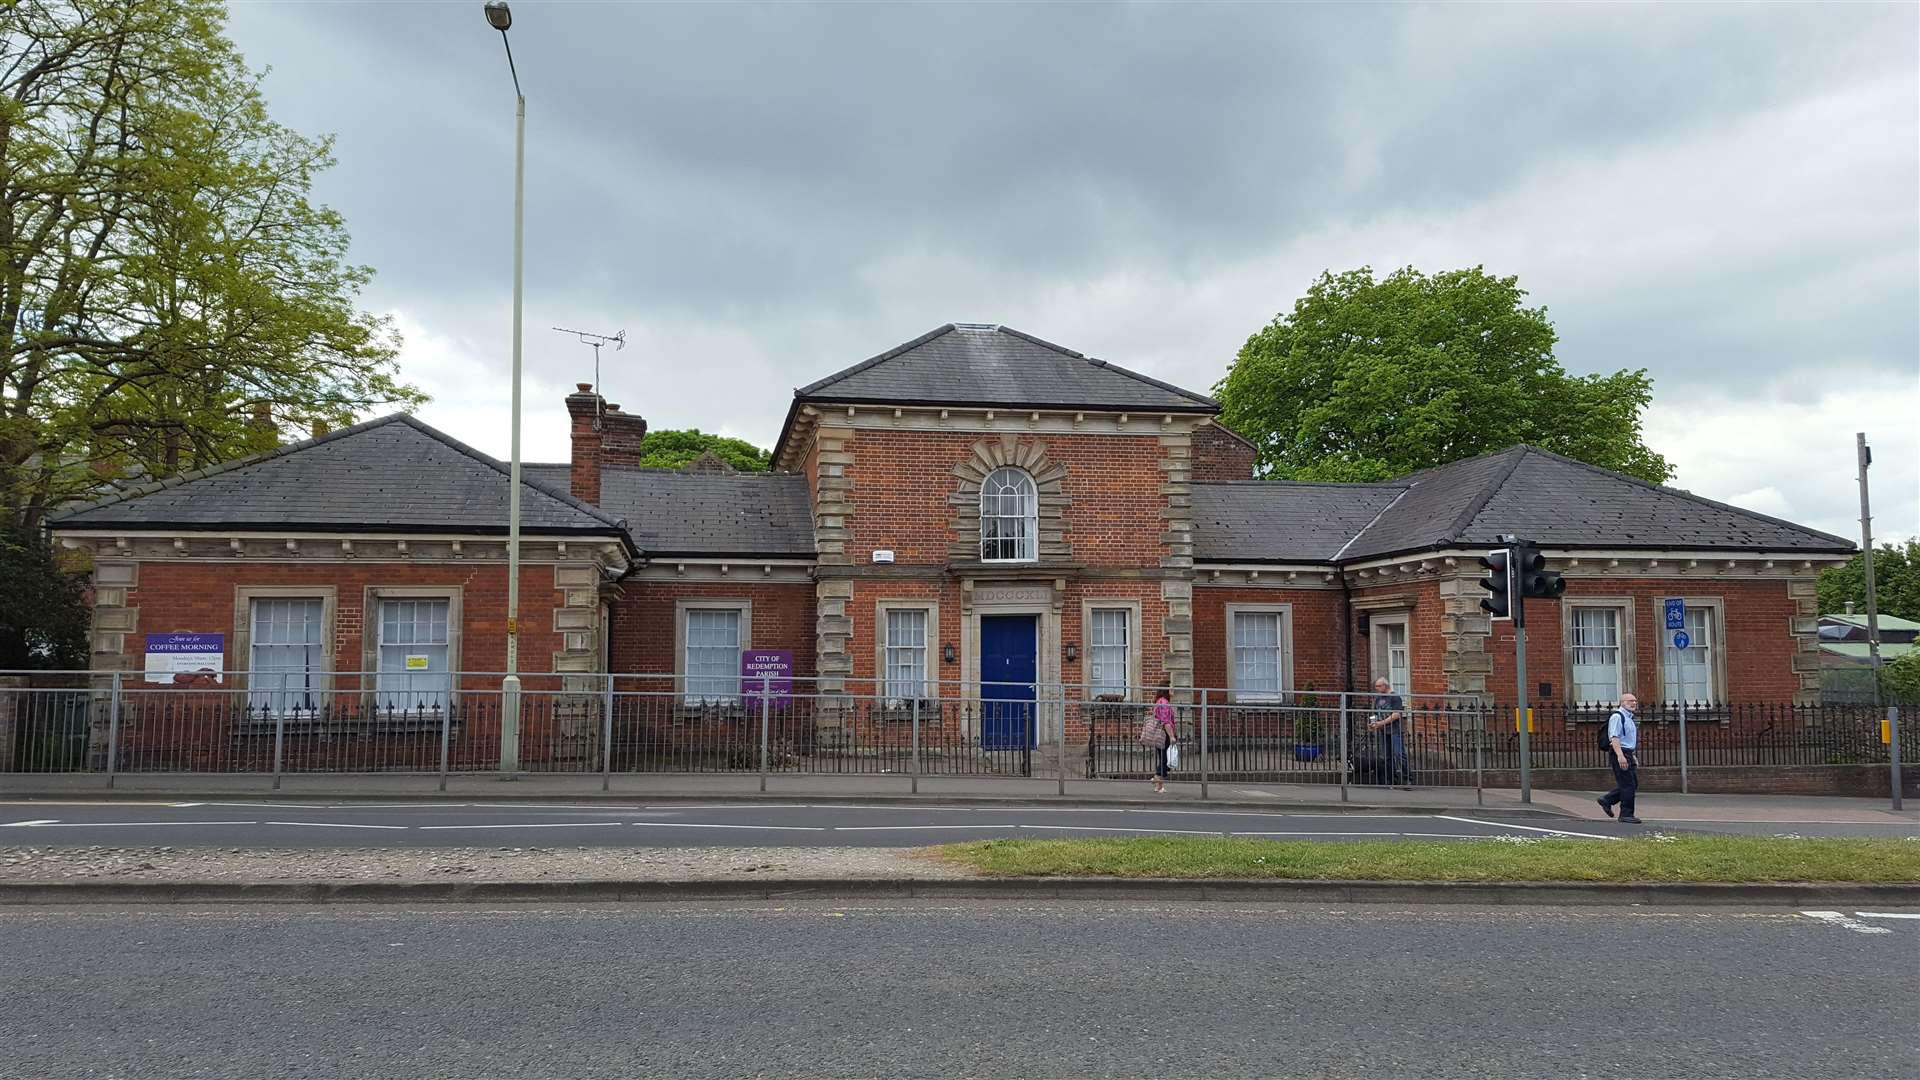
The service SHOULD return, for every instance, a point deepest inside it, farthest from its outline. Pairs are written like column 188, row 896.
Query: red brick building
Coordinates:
column 974, row 507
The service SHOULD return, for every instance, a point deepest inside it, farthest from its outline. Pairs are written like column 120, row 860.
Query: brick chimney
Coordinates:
column 584, row 407
column 620, row 437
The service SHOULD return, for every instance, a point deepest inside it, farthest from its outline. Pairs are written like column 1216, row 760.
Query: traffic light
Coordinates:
column 1499, row 582
column 1535, row 579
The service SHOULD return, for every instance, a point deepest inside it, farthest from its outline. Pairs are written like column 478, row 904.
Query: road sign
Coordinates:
column 1681, row 639
column 1676, row 614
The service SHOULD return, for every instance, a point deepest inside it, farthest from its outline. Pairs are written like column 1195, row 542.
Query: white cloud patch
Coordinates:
column 1793, row 456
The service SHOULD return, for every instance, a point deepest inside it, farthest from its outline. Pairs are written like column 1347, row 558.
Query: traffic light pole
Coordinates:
column 1519, row 602
column 1517, row 572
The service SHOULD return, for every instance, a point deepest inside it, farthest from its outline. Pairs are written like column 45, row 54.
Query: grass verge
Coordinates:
column 1658, row 858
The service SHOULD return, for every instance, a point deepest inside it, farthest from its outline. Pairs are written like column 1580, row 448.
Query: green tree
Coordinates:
column 1900, row 680
column 43, row 614
column 1896, row 582
column 165, row 276
column 675, row 448
column 1370, row 379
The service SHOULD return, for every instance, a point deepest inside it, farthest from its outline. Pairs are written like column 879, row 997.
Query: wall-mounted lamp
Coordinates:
column 947, row 653
column 1073, row 653
column 1366, row 624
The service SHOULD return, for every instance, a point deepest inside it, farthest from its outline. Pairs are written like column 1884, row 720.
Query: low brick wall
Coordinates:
column 1866, row 781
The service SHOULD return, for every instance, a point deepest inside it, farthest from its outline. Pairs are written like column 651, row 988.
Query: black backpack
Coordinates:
column 1602, row 737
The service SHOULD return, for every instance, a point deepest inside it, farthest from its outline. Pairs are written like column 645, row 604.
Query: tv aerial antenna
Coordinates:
column 598, row 341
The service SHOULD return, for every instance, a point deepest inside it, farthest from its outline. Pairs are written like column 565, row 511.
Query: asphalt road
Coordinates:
column 293, row 825
column 945, row 990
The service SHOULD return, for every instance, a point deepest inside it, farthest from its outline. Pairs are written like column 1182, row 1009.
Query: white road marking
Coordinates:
column 23, row 824
column 1839, row 918
column 184, row 805
column 757, row 828
column 918, row 828
column 742, row 806
column 1887, row 915
column 333, row 825
column 274, row 805
column 1102, row 828
column 1528, row 828
column 126, row 824
column 399, row 806
column 1348, row 814
column 540, row 825
column 539, row 806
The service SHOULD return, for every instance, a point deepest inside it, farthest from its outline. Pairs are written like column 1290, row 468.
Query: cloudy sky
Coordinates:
column 1726, row 195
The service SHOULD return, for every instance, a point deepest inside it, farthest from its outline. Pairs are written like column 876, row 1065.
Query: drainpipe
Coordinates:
column 1346, row 633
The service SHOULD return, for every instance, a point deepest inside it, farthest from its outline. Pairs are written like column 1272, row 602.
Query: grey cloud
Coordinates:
column 706, row 150
column 765, row 193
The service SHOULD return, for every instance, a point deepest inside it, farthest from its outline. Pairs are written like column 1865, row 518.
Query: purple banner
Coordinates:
column 771, row 669
column 186, row 659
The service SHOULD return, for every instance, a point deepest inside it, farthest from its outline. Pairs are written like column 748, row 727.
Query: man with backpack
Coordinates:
column 1621, row 741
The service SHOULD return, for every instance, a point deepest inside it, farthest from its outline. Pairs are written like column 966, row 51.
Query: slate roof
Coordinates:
column 981, row 365
column 1560, row 502
column 707, row 514
column 1524, row 491
column 393, row 474
column 1280, row 521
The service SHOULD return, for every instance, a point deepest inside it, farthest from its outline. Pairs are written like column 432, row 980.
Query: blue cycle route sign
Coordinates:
column 1676, row 614
column 1681, row 640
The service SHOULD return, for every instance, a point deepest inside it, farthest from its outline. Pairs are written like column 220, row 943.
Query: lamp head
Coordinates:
column 499, row 15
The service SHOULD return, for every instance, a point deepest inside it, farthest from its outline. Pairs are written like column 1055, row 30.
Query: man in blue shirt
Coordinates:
column 1623, row 741
column 1388, row 726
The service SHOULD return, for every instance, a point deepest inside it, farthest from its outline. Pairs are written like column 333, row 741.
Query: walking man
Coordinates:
column 1623, row 741
column 1387, row 723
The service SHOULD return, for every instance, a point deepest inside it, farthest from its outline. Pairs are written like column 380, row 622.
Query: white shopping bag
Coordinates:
column 1173, row 757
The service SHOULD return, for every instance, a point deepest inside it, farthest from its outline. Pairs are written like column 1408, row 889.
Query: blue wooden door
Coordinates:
column 1009, row 647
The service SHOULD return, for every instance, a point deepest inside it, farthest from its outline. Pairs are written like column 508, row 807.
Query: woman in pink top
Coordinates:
column 1167, row 735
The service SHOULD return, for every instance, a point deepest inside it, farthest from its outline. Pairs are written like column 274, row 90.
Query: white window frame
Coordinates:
column 1284, row 650
column 1624, row 640
column 1131, row 669
column 1575, row 646
column 320, row 674
column 1380, row 649
column 1715, row 646
column 744, row 608
column 930, row 660
column 1028, row 549
column 434, row 699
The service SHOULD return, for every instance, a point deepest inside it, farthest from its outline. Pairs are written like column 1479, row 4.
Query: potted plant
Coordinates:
column 1309, row 727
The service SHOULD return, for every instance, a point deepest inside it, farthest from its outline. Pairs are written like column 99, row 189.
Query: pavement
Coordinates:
column 1808, row 815
column 961, row 989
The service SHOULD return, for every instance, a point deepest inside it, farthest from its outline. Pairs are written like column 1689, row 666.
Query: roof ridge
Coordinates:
column 1688, row 495
column 404, row 419
column 1364, row 529
column 1479, row 502
column 863, row 365
column 506, row 470
column 1000, row 328
column 1303, row 483
column 1110, row 366
column 220, row 467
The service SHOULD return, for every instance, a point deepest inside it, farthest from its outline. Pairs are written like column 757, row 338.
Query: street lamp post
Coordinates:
column 500, row 17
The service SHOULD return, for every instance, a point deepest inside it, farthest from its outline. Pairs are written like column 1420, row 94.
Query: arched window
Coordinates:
column 1009, row 517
